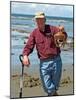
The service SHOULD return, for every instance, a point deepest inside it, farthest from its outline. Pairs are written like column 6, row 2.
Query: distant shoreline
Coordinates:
column 52, row 17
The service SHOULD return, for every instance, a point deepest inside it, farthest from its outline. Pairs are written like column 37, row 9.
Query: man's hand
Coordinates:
column 26, row 61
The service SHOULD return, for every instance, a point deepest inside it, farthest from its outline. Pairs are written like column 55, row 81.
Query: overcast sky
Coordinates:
column 48, row 9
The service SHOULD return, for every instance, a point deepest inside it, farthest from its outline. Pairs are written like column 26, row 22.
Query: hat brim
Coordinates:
column 39, row 17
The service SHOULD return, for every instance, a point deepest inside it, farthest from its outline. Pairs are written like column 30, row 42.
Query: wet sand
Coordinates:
column 32, row 86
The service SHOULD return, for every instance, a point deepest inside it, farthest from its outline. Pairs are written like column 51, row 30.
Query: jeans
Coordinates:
column 50, row 72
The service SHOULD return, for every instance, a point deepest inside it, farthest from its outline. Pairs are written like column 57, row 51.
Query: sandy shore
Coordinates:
column 32, row 85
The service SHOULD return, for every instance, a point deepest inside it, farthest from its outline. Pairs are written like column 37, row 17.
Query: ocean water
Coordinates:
column 21, row 26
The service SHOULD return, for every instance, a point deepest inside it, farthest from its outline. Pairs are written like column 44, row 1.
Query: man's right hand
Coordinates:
column 26, row 61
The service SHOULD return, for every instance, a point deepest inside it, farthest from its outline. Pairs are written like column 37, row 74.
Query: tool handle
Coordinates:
column 21, row 57
column 21, row 77
column 20, row 95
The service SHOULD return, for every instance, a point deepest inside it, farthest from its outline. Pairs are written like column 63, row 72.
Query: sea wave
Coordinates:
column 20, row 31
column 17, row 46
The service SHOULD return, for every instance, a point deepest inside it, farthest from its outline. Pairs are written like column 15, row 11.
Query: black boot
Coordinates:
column 49, row 94
column 55, row 94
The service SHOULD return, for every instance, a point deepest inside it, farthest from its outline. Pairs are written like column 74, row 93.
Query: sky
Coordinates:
column 48, row 9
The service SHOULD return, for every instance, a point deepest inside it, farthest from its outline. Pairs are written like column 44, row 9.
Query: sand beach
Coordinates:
column 32, row 85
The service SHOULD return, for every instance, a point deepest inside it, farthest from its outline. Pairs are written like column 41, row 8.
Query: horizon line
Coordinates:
column 45, row 15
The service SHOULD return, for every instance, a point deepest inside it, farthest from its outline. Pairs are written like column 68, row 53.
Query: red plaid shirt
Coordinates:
column 43, row 41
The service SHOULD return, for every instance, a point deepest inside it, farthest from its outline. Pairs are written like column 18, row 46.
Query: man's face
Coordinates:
column 41, row 23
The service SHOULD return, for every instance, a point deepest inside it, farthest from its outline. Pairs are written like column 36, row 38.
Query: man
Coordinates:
column 50, row 61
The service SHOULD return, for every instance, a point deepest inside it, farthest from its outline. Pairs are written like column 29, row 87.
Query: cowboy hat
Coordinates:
column 39, row 15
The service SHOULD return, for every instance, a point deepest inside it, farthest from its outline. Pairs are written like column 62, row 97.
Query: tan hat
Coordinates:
column 39, row 15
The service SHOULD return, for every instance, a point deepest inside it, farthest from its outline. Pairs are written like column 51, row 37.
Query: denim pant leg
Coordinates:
column 57, row 73
column 50, row 72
